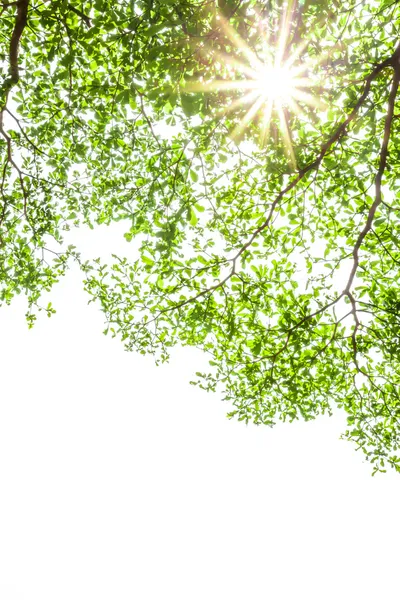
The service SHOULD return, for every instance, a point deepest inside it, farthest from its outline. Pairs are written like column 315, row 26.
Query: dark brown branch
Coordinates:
column 19, row 26
column 383, row 156
column 395, row 63
column 12, row 162
column 356, row 327
column 81, row 14
column 20, row 23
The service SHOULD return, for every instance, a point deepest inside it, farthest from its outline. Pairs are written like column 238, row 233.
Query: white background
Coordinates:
column 119, row 480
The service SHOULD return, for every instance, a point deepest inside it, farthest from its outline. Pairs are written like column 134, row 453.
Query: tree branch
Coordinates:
column 19, row 26
column 395, row 63
column 20, row 23
column 81, row 14
column 337, row 134
column 28, row 139
column 392, row 61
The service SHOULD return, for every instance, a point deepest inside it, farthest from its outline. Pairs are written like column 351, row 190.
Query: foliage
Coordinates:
column 286, row 274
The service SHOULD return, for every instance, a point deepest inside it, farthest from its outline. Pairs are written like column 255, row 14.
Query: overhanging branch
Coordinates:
column 395, row 63
column 336, row 135
column 81, row 14
column 341, row 130
column 19, row 26
column 20, row 23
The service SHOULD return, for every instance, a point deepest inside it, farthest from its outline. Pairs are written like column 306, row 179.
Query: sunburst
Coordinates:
column 271, row 82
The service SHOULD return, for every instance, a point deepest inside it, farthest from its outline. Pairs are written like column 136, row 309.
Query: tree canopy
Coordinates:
column 265, row 210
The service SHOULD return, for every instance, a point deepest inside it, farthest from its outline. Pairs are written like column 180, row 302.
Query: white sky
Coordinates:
column 119, row 480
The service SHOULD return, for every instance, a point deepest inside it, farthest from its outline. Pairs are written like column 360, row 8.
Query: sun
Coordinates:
column 271, row 81
column 275, row 83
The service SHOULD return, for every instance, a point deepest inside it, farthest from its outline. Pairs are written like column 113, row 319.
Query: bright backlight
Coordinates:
column 272, row 82
column 275, row 83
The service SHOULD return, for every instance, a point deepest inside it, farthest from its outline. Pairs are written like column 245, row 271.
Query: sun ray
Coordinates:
column 226, row 59
column 240, row 44
column 309, row 99
column 219, row 85
column 249, row 116
column 266, row 122
column 273, row 78
column 239, row 102
column 288, row 145
column 285, row 31
column 295, row 107
column 295, row 54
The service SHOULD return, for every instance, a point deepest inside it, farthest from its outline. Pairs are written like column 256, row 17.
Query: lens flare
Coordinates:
column 273, row 80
